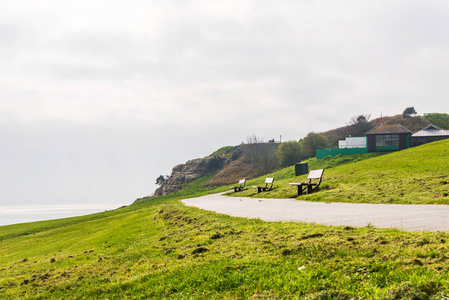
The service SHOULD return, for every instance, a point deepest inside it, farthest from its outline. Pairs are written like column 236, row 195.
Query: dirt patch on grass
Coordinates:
column 232, row 173
column 200, row 250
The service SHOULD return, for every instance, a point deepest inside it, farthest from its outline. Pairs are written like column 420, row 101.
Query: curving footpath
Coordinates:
column 404, row 217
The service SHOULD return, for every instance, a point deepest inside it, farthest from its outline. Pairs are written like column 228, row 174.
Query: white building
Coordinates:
column 352, row 142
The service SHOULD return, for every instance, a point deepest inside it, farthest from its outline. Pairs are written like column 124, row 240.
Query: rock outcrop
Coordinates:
column 188, row 172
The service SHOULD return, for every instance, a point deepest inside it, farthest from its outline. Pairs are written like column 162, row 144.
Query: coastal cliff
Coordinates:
column 227, row 165
column 191, row 170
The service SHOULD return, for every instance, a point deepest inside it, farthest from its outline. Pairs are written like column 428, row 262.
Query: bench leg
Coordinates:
column 309, row 189
column 299, row 190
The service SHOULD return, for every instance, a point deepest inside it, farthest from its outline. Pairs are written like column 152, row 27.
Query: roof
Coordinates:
column 431, row 127
column 431, row 130
column 388, row 129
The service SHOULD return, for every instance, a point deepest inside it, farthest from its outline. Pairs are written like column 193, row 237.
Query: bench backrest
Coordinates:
column 242, row 182
column 269, row 182
column 316, row 174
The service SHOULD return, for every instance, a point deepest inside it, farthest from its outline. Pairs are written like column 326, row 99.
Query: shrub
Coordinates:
column 289, row 153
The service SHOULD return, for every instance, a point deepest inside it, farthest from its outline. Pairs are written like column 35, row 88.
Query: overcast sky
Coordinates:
column 98, row 98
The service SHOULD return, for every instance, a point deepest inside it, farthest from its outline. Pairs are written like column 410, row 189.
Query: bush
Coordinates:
column 312, row 142
column 440, row 120
column 289, row 153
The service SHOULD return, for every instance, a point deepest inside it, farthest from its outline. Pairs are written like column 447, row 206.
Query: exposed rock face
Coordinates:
column 188, row 172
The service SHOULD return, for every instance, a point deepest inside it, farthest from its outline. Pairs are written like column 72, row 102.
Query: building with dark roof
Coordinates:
column 388, row 138
column 428, row 134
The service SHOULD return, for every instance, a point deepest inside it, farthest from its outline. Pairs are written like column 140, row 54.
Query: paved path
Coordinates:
column 405, row 217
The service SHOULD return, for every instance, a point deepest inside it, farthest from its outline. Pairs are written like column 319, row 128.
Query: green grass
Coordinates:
column 161, row 249
column 414, row 176
column 164, row 250
column 223, row 151
column 338, row 160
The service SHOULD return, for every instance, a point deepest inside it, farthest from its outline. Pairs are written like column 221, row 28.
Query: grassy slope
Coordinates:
column 161, row 249
column 415, row 176
column 166, row 250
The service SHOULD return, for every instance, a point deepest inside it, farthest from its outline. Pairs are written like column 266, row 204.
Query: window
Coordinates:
column 387, row 140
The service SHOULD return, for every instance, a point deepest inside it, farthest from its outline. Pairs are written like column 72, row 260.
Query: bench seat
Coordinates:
column 309, row 186
column 240, row 187
column 268, row 185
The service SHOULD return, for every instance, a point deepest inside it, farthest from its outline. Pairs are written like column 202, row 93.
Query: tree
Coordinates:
column 361, row 119
column 289, row 153
column 359, row 125
column 312, row 142
column 409, row 111
column 262, row 156
column 161, row 179
column 254, row 139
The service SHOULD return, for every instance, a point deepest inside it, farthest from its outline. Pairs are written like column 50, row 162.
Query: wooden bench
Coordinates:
column 310, row 186
column 268, row 185
column 240, row 187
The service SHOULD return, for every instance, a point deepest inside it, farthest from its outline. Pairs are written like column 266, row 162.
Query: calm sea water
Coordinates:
column 30, row 213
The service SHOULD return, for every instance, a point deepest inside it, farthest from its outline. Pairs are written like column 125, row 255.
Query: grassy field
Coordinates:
column 414, row 176
column 160, row 249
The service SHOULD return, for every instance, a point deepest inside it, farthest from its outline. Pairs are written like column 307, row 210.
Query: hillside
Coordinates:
column 229, row 164
column 414, row 176
column 223, row 167
column 160, row 249
column 438, row 119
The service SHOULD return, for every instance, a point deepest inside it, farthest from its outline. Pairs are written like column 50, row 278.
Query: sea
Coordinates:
column 31, row 213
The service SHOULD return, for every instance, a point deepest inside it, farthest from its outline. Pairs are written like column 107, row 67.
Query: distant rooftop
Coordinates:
column 431, row 130
column 388, row 129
